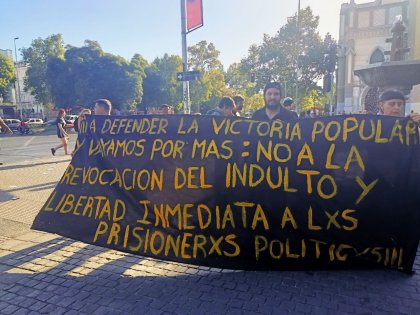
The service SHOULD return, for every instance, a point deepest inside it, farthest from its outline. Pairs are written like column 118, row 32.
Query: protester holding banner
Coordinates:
column 103, row 107
column 80, row 118
column 391, row 103
column 225, row 108
column 60, row 123
column 273, row 109
column 78, row 121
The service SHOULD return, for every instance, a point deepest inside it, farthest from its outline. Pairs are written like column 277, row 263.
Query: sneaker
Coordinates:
column 53, row 151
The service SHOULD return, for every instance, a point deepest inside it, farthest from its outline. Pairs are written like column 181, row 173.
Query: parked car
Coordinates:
column 33, row 121
column 12, row 123
column 70, row 120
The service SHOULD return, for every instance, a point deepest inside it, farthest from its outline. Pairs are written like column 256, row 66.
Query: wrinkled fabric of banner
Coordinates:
column 329, row 193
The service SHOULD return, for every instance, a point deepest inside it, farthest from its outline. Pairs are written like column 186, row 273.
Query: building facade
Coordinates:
column 19, row 102
column 364, row 30
column 26, row 101
column 414, row 16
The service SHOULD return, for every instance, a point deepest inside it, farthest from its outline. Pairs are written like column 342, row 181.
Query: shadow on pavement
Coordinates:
column 5, row 196
column 63, row 275
column 16, row 166
column 38, row 187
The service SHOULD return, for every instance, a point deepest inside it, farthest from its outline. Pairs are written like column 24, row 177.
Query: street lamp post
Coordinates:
column 185, row 84
column 17, row 86
column 297, row 52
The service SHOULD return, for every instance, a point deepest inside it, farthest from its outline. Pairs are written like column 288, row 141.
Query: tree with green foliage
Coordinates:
column 239, row 81
column 313, row 99
column 76, row 76
column 206, row 92
column 204, row 57
column 160, row 84
column 88, row 73
column 37, row 57
column 7, row 74
column 253, row 103
column 293, row 57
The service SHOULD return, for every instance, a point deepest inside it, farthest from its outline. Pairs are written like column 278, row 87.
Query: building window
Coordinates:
column 379, row 17
column 342, row 27
column 377, row 56
column 393, row 12
column 364, row 19
column 349, row 68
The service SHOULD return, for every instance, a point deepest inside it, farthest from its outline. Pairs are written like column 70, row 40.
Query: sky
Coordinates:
column 153, row 27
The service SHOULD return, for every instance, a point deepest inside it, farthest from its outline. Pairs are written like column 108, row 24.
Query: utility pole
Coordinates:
column 185, row 84
column 17, row 86
column 297, row 53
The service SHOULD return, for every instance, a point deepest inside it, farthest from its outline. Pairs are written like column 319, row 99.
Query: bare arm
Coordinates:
column 5, row 127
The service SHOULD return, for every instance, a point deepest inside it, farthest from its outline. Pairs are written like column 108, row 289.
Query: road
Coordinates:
column 27, row 148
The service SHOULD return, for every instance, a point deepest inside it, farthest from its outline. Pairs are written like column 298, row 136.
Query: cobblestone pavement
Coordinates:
column 42, row 273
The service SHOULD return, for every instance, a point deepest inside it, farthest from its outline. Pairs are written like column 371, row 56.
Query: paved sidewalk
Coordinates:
column 42, row 273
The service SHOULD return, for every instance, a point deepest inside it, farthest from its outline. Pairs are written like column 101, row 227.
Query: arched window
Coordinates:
column 377, row 56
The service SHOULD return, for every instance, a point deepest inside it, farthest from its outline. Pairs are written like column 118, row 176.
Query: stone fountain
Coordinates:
column 398, row 73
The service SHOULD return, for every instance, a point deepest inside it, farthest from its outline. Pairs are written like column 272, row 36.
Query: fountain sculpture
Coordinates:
column 398, row 73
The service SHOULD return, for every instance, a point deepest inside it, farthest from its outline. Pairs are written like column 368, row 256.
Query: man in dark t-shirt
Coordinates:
column 273, row 109
column 225, row 108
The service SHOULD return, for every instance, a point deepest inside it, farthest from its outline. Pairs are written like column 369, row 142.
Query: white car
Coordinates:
column 33, row 121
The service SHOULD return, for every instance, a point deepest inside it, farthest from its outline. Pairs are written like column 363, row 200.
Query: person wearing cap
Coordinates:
column 273, row 109
column 288, row 104
column 391, row 103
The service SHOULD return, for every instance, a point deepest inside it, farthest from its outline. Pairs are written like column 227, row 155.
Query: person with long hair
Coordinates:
column 60, row 123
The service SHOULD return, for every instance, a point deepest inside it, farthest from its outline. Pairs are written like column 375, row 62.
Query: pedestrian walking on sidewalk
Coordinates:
column 60, row 123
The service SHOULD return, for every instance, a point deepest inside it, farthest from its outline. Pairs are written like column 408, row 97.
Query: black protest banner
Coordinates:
column 338, row 192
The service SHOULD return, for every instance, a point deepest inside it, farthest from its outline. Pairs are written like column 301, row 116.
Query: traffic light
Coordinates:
column 252, row 77
column 331, row 58
column 327, row 83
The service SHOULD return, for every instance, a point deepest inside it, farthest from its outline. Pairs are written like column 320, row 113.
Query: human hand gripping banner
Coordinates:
column 330, row 193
